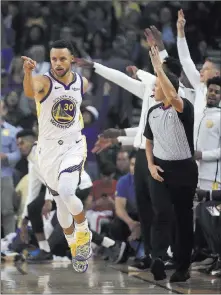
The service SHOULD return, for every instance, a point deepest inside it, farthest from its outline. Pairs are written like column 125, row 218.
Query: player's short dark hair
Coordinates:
column 173, row 79
column 215, row 81
column 25, row 133
column 173, row 65
column 60, row 44
column 107, row 168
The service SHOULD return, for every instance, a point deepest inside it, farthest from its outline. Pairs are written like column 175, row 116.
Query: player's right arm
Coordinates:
column 34, row 87
column 183, row 51
column 134, row 86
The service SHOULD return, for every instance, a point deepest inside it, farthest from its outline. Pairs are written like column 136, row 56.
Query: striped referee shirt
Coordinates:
column 171, row 131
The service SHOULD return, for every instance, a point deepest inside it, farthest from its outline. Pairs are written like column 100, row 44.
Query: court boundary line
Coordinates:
column 146, row 280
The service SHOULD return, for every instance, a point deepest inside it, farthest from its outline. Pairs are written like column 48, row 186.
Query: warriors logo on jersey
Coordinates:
column 63, row 111
column 59, row 112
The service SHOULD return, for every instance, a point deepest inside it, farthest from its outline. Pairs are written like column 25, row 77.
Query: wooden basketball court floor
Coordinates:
column 101, row 277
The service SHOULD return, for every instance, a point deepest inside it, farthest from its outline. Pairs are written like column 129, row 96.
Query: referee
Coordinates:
column 174, row 174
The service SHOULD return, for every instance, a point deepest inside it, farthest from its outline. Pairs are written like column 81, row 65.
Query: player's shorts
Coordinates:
column 59, row 156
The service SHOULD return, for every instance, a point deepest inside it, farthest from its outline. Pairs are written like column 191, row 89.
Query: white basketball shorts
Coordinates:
column 59, row 156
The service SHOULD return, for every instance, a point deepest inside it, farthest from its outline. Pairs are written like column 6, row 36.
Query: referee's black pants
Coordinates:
column 174, row 196
column 144, row 207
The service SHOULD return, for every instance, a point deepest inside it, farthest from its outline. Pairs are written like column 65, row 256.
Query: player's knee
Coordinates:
column 65, row 190
column 67, row 185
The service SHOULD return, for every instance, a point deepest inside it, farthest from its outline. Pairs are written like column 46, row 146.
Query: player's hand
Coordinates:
column 29, row 64
column 47, row 208
column 180, row 21
column 198, row 155
column 154, row 169
column 149, row 37
column 155, row 58
column 103, row 144
column 156, row 34
column 24, row 231
column 132, row 71
column 112, row 133
column 83, row 63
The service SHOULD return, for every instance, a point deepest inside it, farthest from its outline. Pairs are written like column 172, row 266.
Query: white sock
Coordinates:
column 82, row 226
column 70, row 238
column 43, row 245
column 107, row 242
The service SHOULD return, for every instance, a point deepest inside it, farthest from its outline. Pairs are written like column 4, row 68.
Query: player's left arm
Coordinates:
column 85, row 85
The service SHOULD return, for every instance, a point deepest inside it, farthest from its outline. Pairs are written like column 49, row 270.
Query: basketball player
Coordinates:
column 61, row 148
column 38, row 203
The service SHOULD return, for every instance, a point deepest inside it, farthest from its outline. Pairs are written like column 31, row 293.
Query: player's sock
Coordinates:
column 107, row 242
column 43, row 245
column 81, row 227
column 70, row 239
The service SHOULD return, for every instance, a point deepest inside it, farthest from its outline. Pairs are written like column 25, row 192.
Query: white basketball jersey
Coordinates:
column 59, row 114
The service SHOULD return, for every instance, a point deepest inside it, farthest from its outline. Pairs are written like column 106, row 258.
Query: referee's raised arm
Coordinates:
column 170, row 92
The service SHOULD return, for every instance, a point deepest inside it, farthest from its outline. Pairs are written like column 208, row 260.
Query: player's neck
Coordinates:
column 66, row 79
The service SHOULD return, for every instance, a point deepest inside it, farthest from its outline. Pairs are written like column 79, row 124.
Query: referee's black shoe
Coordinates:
column 158, row 269
column 180, row 276
column 140, row 264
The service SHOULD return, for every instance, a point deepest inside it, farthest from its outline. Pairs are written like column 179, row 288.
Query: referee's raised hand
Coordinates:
column 154, row 169
column 155, row 58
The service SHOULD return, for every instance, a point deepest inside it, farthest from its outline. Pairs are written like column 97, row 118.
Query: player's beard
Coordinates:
column 62, row 74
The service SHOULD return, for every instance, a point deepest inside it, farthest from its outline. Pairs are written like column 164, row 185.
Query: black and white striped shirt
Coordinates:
column 171, row 131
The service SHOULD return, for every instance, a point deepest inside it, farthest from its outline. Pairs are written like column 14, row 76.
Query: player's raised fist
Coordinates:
column 132, row 71
column 149, row 37
column 29, row 64
column 181, row 20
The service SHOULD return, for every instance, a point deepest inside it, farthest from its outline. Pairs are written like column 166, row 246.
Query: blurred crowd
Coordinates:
column 110, row 33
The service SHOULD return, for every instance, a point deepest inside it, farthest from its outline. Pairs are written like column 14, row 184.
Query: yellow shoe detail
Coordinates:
column 83, row 245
